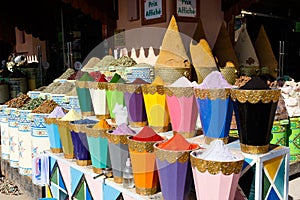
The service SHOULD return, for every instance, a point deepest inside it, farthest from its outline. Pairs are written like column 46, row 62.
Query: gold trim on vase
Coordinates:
column 212, row 94
column 179, row 91
column 105, row 116
column 93, row 85
column 102, row 85
column 50, row 120
column 90, row 132
column 250, row 149
column 63, row 123
column 56, row 150
column 186, row 134
column 118, row 180
column 152, row 89
column 160, row 129
column 133, row 88
column 140, row 146
column 83, row 162
column 117, row 139
column 82, row 84
column 170, row 74
column 97, row 85
column 138, row 124
column 87, row 114
column 146, row 191
column 172, row 156
column 78, row 127
column 115, row 86
column 215, row 167
column 254, row 96
column 69, row 155
column 97, row 170
column 208, row 140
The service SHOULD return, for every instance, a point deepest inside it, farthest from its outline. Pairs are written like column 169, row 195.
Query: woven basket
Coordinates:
column 202, row 72
column 170, row 75
column 229, row 74
column 249, row 71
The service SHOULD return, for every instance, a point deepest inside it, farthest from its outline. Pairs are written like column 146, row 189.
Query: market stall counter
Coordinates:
column 263, row 176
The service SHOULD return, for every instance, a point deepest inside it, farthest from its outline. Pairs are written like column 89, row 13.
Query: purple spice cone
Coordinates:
column 135, row 107
column 175, row 179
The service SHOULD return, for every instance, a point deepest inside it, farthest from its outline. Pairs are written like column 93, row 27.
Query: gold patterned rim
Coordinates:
column 90, row 132
column 179, row 91
column 83, row 162
column 56, row 150
column 118, row 180
column 160, row 129
column 140, row 146
column 138, row 124
column 116, row 139
column 146, row 191
column 254, row 149
column 172, row 156
column 82, row 84
column 186, row 134
column 50, row 120
column 63, row 123
column 97, row 170
column 78, row 127
column 133, row 88
column 152, row 89
column 69, row 155
column 212, row 94
column 115, row 86
column 92, row 85
column 87, row 114
column 181, row 71
column 208, row 140
column 105, row 116
column 215, row 167
column 97, row 85
column 254, row 96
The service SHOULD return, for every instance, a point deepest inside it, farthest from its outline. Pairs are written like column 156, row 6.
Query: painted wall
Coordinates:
column 210, row 13
column 28, row 45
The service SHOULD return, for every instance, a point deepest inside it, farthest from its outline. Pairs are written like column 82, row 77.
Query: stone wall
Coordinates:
column 23, row 182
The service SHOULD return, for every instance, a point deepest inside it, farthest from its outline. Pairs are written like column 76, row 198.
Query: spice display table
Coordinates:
column 264, row 176
column 69, row 180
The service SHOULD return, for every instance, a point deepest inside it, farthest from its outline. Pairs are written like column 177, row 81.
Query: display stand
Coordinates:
column 69, row 181
column 264, row 176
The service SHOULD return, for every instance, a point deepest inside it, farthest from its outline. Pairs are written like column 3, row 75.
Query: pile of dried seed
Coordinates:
column 8, row 187
column 64, row 88
column 33, row 104
column 73, row 92
column 18, row 101
column 46, row 107
column 51, row 87
column 66, row 74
